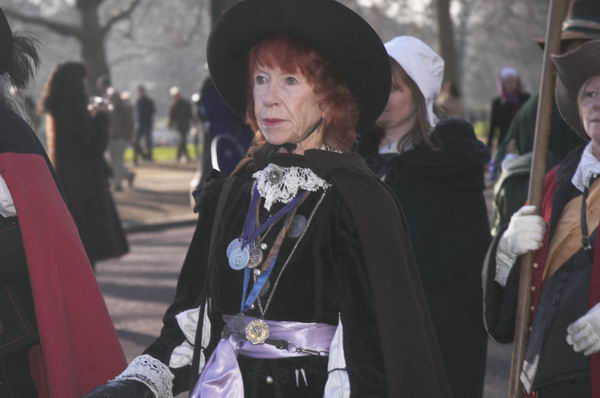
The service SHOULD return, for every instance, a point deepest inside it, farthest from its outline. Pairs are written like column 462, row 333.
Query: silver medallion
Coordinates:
column 257, row 331
column 256, row 257
column 238, row 254
column 298, row 225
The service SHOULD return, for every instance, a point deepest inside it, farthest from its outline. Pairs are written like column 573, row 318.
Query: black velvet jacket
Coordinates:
column 340, row 267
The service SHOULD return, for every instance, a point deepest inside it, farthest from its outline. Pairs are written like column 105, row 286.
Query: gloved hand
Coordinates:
column 525, row 233
column 584, row 333
column 121, row 389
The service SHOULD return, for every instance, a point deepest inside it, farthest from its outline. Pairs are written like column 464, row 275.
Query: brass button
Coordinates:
column 532, row 308
column 533, row 288
column 269, row 380
column 535, row 265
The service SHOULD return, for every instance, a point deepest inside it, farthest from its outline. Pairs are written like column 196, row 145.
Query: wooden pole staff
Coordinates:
column 556, row 16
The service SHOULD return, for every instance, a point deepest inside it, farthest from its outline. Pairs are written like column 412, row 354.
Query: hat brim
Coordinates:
column 339, row 34
column 573, row 70
column 566, row 35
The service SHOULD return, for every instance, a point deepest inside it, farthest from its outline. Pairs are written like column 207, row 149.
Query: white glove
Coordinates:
column 525, row 233
column 584, row 333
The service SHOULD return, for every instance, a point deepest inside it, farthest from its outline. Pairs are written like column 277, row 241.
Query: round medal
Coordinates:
column 256, row 257
column 238, row 254
column 257, row 331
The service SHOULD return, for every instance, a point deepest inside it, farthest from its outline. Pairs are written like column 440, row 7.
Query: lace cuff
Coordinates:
column 504, row 263
column 153, row 373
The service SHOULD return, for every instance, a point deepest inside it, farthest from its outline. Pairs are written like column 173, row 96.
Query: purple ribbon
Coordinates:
column 221, row 376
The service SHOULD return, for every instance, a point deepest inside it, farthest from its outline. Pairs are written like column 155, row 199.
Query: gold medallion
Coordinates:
column 257, row 331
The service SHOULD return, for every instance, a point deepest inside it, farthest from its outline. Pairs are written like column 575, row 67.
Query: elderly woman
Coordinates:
column 435, row 168
column 299, row 281
column 564, row 337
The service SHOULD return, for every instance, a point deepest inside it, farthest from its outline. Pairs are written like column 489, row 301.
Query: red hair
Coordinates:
column 295, row 56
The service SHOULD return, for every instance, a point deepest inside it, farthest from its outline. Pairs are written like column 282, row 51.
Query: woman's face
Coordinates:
column 400, row 109
column 511, row 84
column 285, row 106
column 589, row 108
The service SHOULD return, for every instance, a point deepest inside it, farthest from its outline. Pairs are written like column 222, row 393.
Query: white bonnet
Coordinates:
column 422, row 64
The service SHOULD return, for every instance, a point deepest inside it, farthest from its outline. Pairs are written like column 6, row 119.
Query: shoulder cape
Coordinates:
column 411, row 356
column 79, row 348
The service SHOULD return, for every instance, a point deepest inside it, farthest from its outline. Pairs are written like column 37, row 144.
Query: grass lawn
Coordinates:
column 164, row 153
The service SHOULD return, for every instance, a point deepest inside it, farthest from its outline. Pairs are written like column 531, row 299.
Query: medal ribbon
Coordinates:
column 247, row 302
column 251, row 231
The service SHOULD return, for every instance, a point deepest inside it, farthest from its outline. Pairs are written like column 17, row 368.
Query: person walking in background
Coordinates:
column 56, row 336
column 180, row 118
column 145, row 116
column 120, row 135
column 435, row 168
column 506, row 105
column 77, row 139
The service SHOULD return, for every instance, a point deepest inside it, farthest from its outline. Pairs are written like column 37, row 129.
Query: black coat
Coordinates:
column 354, row 261
column 441, row 192
column 76, row 144
column 501, row 116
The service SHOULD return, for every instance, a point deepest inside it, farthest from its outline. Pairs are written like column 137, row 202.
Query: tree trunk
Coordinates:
column 446, row 39
column 218, row 7
column 93, row 46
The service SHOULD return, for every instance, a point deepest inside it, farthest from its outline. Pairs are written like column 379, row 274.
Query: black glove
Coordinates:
column 121, row 389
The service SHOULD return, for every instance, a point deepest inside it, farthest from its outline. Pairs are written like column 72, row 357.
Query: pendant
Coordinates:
column 256, row 257
column 238, row 254
column 257, row 331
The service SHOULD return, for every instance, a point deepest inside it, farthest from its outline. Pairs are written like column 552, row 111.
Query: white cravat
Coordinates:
column 588, row 166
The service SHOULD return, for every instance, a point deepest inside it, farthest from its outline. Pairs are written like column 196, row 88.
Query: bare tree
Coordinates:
column 91, row 33
column 447, row 41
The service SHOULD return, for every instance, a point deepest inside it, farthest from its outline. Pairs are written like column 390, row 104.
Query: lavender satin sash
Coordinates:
column 222, row 377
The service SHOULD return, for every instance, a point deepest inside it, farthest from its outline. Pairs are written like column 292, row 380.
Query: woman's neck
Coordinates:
column 396, row 133
column 596, row 150
column 313, row 141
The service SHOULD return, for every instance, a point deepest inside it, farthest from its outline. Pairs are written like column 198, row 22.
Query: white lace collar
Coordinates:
column 281, row 184
column 588, row 167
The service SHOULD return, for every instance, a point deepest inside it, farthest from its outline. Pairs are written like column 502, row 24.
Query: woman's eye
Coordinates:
column 291, row 80
column 260, row 79
column 591, row 93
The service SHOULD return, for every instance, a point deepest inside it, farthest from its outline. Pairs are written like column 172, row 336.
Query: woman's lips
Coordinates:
column 272, row 121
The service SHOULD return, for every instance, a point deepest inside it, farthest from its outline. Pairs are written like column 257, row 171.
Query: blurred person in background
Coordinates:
column 145, row 109
column 435, row 168
column 77, row 140
column 505, row 106
column 56, row 337
column 180, row 119
column 120, row 134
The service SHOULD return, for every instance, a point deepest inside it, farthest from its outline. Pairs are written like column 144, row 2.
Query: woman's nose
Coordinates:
column 271, row 96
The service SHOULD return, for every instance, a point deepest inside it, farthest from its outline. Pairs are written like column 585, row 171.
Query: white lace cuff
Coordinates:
column 504, row 263
column 153, row 373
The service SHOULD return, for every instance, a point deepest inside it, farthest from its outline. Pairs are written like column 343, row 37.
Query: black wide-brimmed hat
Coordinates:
column 573, row 69
column 6, row 43
column 582, row 22
column 339, row 34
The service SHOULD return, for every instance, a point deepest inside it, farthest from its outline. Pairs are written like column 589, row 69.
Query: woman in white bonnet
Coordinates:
column 435, row 168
